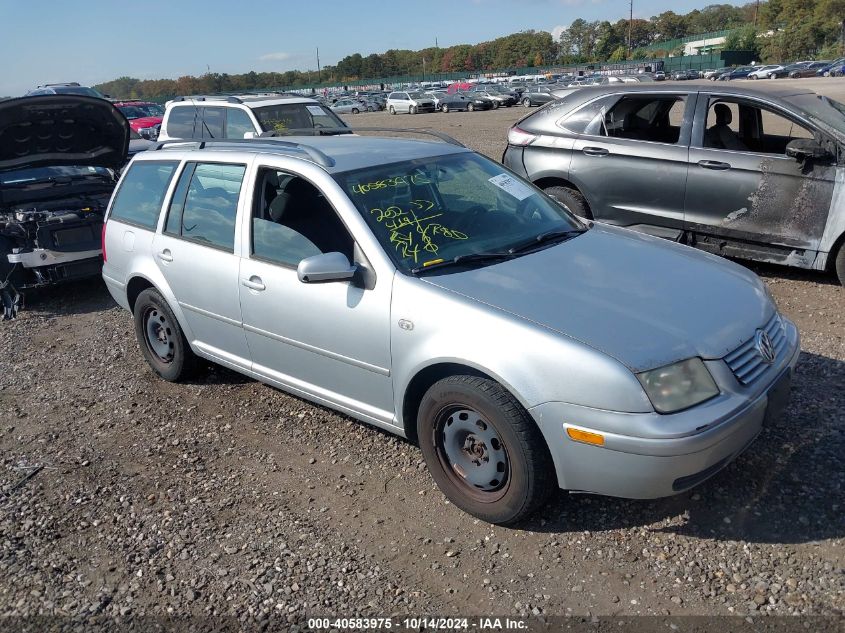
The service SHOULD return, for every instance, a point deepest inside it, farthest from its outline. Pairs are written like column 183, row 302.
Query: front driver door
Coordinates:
column 752, row 200
column 331, row 340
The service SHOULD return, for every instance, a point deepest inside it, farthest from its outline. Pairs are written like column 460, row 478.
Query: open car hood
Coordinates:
column 53, row 130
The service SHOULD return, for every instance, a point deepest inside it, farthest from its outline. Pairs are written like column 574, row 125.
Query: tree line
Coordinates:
column 775, row 30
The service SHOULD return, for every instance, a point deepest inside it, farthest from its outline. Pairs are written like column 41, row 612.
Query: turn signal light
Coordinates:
column 585, row 436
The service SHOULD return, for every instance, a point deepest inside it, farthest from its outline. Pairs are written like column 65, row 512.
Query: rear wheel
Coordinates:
column 444, row 107
column 526, row 102
column 412, row 110
column 160, row 336
column 571, row 199
column 483, row 449
column 354, row 110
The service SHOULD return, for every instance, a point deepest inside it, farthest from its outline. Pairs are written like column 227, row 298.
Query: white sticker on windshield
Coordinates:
column 512, row 186
column 316, row 110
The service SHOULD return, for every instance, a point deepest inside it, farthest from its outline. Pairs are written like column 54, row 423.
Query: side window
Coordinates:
column 141, row 193
column 645, row 118
column 180, row 122
column 238, row 123
column 292, row 220
column 743, row 126
column 205, row 205
column 588, row 119
column 212, row 122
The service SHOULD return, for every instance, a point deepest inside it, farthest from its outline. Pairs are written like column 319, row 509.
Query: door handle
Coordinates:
column 714, row 164
column 254, row 283
column 165, row 255
column 595, row 151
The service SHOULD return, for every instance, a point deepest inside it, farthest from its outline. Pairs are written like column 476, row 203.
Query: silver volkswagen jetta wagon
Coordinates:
column 422, row 288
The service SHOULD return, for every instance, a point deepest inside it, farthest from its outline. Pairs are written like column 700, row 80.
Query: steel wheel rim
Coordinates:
column 159, row 335
column 472, row 453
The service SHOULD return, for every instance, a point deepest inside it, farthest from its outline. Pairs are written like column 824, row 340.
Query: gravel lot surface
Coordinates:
column 123, row 495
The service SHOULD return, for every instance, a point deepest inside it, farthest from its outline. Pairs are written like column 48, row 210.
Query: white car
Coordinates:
column 763, row 71
column 410, row 102
column 244, row 116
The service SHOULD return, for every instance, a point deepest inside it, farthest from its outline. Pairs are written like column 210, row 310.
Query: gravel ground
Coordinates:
column 123, row 495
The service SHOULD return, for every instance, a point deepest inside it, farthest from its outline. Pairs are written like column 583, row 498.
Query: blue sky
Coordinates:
column 98, row 40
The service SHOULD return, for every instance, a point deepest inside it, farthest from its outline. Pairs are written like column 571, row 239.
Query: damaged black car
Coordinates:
column 59, row 162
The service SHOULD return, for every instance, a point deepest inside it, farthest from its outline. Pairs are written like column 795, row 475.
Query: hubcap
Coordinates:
column 159, row 334
column 472, row 451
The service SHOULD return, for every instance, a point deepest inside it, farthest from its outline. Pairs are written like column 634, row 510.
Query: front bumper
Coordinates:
column 43, row 267
column 660, row 463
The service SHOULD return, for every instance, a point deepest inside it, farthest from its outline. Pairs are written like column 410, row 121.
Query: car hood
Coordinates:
column 54, row 130
column 642, row 300
column 146, row 121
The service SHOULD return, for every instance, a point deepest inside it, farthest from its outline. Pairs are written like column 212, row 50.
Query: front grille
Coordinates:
column 746, row 362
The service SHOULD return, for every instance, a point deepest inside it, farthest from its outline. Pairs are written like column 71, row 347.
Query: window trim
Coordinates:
column 700, row 126
column 192, row 165
column 164, row 199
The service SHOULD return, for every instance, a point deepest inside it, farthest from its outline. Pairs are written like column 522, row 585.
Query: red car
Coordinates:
column 144, row 116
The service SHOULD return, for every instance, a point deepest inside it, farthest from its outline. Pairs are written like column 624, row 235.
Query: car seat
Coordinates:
column 720, row 135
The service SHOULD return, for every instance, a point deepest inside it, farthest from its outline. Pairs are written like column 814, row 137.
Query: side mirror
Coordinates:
column 325, row 267
column 250, row 135
column 802, row 149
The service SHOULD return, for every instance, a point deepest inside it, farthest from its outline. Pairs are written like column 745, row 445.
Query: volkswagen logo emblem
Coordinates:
column 764, row 346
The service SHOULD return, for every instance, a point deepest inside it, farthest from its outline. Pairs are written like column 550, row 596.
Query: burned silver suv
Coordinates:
column 59, row 155
column 751, row 173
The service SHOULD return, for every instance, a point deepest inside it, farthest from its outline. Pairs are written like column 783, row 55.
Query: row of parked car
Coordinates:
column 796, row 70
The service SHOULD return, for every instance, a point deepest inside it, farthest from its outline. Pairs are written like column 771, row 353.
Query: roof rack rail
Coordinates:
column 412, row 130
column 228, row 98
column 313, row 153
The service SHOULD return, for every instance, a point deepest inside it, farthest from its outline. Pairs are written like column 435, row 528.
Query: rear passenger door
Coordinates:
column 195, row 253
column 631, row 161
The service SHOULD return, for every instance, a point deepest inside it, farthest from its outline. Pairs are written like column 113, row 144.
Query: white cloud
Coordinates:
column 557, row 32
column 275, row 57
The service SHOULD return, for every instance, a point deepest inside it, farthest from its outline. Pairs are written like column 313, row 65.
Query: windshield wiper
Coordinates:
column 465, row 259
column 557, row 235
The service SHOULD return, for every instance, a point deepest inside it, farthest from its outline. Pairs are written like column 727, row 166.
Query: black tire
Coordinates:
column 527, row 474
column 470, row 108
column 355, row 110
column 526, row 102
column 571, row 199
column 444, row 107
column 151, row 310
column 391, row 110
column 839, row 264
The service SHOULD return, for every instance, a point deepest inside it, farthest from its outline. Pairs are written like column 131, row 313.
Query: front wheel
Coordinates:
column 160, row 336
column 412, row 110
column 354, row 110
column 392, row 110
column 471, row 108
column 571, row 199
column 444, row 107
column 483, row 449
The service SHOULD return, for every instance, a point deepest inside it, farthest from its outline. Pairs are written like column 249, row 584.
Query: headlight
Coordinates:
column 479, row 102
column 678, row 386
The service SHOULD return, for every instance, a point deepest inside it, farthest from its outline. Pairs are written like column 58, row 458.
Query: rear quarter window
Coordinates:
column 141, row 193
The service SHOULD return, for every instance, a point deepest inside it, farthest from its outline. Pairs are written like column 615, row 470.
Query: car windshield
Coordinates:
column 132, row 112
column 823, row 109
column 432, row 210
column 151, row 109
column 45, row 174
column 292, row 116
column 416, row 95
